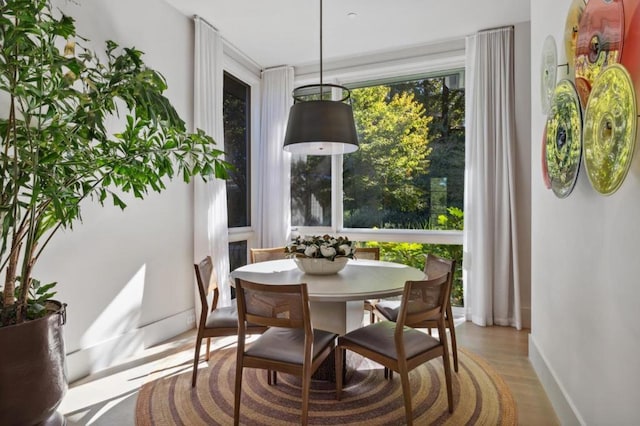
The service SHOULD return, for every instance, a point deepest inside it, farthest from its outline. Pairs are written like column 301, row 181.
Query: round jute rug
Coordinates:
column 480, row 396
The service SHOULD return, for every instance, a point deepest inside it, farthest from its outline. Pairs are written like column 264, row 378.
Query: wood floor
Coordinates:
column 507, row 350
column 108, row 397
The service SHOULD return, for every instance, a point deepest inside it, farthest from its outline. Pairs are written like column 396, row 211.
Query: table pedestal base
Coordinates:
column 340, row 318
column 337, row 317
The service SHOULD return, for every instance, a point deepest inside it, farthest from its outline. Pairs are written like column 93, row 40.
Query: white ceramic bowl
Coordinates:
column 320, row 266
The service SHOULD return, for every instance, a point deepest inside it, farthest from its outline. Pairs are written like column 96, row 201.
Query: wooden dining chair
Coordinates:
column 264, row 254
column 371, row 253
column 433, row 266
column 290, row 344
column 215, row 321
column 399, row 346
column 257, row 255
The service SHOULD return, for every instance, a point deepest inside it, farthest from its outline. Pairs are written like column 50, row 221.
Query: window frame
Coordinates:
column 397, row 69
column 235, row 65
column 248, row 140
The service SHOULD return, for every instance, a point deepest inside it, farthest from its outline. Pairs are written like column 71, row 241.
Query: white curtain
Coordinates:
column 274, row 192
column 210, row 198
column 490, row 258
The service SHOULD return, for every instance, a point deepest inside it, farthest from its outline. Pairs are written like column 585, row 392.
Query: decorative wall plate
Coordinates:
column 571, row 32
column 610, row 124
column 583, row 86
column 563, row 140
column 548, row 72
column 600, row 40
column 631, row 53
column 545, row 170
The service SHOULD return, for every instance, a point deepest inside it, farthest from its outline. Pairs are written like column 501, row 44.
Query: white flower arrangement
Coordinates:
column 325, row 247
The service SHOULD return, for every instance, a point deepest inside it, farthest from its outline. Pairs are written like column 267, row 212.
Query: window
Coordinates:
column 409, row 170
column 311, row 190
column 403, row 190
column 237, row 143
column 410, row 166
column 237, row 258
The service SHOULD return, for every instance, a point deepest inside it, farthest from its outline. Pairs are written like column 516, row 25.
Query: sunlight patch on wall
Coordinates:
column 121, row 316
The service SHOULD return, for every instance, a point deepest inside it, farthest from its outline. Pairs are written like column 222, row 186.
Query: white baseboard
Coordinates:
column 89, row 360
column 560, row 400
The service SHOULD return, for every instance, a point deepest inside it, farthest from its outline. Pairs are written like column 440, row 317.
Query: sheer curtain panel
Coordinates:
column 491, row 261
column 274, row 175
column 210, row 234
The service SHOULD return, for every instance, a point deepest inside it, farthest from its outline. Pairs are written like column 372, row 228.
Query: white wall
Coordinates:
column 585, row 336
column 120, row 271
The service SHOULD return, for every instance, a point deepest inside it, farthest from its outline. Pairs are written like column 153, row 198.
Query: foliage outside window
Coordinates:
column 311, row 190
column 410, row 165
column 407, row 174
column 413, row 253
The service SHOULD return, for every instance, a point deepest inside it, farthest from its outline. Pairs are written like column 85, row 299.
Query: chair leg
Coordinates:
column 272, row 377
column 237, row 392
column 339, row 355
column 196, row 357
column 388, row 373
column 452, row 332
column 406, row 393
column 208, row 348
column 447, row 377
column 306, row 389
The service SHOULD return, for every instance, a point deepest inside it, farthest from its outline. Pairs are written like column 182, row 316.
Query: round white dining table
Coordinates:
column 337, row 300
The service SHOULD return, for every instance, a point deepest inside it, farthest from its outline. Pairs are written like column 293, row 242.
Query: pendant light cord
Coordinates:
column 301, row 94
column 321, row 91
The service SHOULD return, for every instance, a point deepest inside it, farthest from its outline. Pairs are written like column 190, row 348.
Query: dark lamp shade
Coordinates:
column 321, row 127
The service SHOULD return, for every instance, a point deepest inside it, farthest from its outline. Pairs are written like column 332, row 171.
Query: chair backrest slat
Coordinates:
column 434, row 266
column 371, row 253
column 423, row 300
column 204, row 274
column 265, row 254
column 285, row 306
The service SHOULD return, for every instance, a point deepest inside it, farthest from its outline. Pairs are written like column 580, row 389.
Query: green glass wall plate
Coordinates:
column 545, row 170
column 610, row 125
column 563, row 138
column 548, row 72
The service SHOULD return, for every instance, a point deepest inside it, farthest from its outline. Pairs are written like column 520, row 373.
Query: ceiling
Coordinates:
column 286, row 32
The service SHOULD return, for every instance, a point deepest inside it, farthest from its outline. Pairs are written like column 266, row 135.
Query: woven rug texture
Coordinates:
column 481, row 396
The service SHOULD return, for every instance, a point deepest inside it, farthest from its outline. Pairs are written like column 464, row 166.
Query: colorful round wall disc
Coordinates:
column 600, row 39
column 545, row 171
column 610, row 125
column 631, row 54
column 563, row 140
column 571, row 32
column 548, row 72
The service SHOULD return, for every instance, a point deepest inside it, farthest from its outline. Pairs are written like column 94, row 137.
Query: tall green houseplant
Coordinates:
column 56, row 97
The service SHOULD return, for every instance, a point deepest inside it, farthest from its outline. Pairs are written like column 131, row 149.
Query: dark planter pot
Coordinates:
column 32, row 370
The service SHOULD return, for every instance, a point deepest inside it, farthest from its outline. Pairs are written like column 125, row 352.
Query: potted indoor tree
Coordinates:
column 56, row 152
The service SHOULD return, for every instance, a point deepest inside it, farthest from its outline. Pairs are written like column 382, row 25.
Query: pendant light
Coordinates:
column 318, row 124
